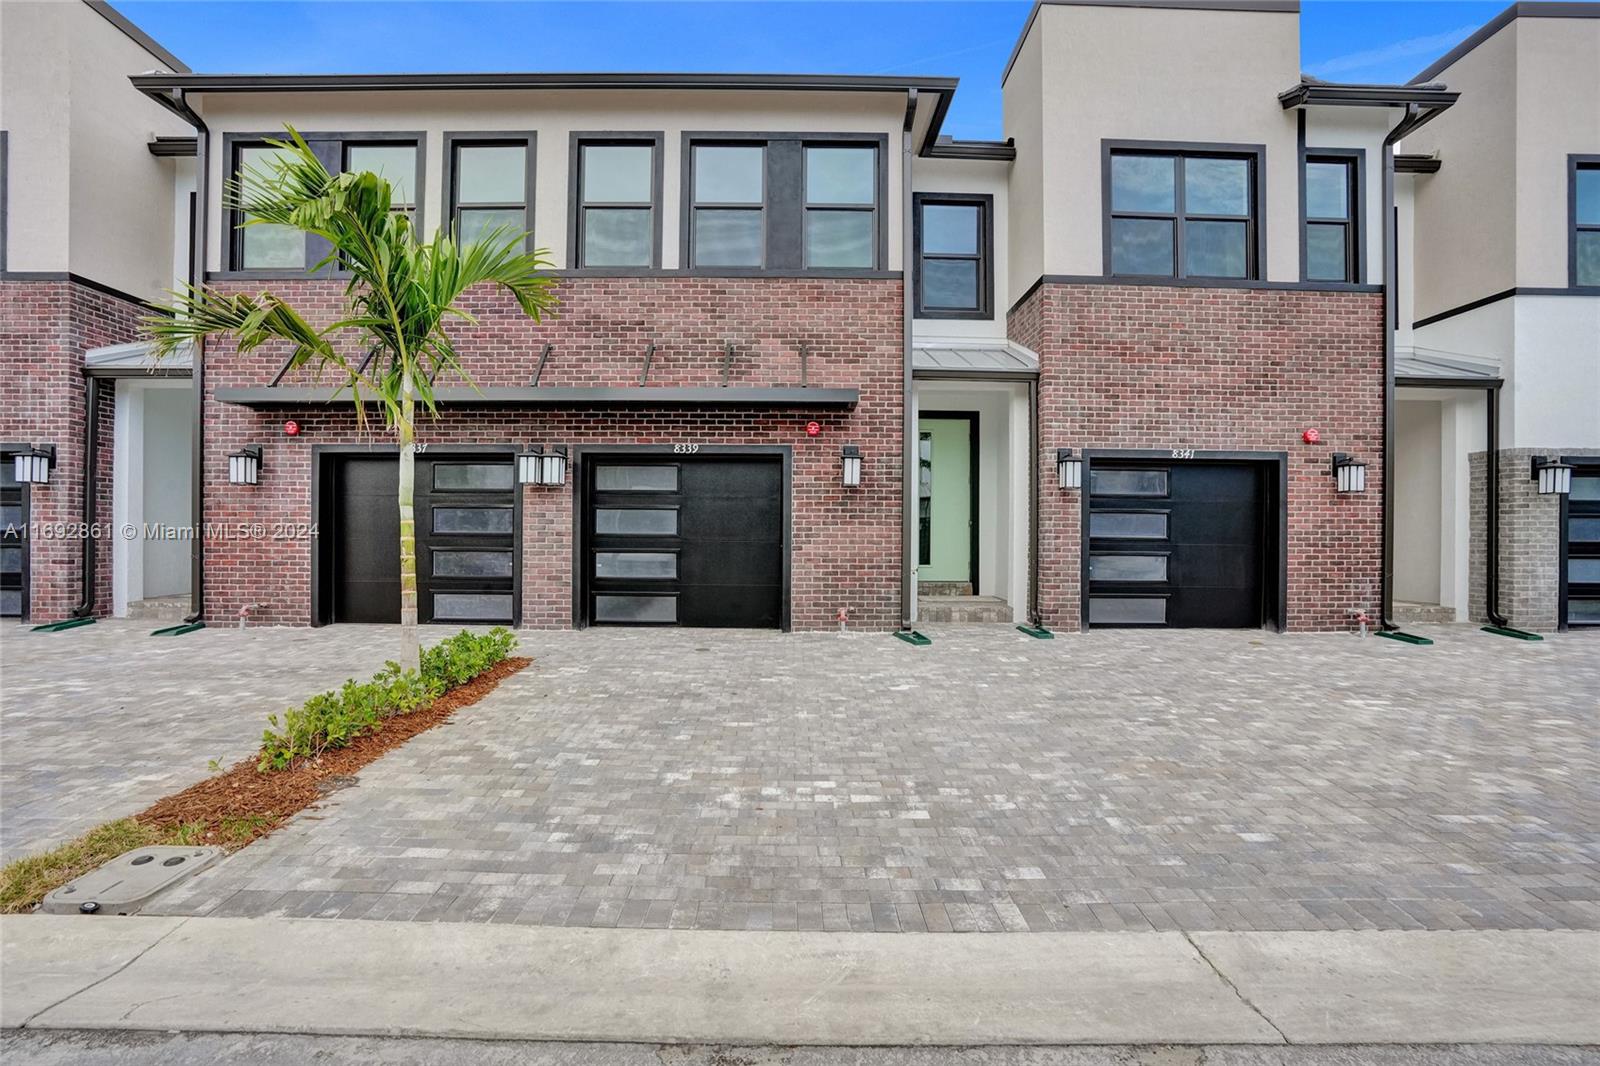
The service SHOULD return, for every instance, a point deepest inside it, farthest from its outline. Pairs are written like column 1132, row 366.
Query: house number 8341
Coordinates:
column 1183, row 453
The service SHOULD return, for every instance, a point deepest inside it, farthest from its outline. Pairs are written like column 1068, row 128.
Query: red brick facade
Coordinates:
column 845, row 549
column 1225, row 369
column 45, row 328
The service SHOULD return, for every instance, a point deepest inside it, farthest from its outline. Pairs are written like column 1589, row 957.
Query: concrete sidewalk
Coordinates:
column 668, row 986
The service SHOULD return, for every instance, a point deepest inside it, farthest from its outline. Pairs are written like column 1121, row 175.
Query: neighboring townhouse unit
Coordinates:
column 1501, row 306
column 814, row 361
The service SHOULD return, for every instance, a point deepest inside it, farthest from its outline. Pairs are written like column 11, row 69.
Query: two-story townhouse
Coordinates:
column 92, row 224
column 1499, row 329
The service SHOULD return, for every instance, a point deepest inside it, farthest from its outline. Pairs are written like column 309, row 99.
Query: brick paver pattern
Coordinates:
column 1120, row 780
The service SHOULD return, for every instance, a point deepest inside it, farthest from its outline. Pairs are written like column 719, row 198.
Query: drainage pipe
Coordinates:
column 1491, row 590
column 908, row 416
column 1034, row 617
column 91, row 448
column 198, row 229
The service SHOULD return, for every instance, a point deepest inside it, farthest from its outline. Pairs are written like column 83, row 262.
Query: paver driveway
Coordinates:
column 1112, row 780
column 99, row 722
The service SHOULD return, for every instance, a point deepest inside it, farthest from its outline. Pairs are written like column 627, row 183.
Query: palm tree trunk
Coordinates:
column 410, row 650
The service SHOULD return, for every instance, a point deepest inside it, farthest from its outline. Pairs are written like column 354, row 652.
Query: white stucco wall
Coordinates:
column 1555, row 377
column 1417, row 525
column 554, row 116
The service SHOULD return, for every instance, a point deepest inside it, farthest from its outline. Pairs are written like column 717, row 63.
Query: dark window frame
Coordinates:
column 528, row 140
column 875, row 209
column 656, row 141
column 783, row 201
column 330, row 149
column 1355, row 162
column 1575, row 163
column 1255, row 221
column 984, row 202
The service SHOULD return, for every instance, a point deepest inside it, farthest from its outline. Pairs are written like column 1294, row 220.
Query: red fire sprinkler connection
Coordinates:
column 291, row 428
column 813, row 429
column 1311, row 436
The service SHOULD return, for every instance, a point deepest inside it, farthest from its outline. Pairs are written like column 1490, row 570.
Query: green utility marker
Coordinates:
column 178, row 630
column 1406, row 638
column 1507, row 631
column 1037, row 632
column 68, row 623
column 912, row 637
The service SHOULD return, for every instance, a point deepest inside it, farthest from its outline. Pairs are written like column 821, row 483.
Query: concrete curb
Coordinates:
column 670, row 986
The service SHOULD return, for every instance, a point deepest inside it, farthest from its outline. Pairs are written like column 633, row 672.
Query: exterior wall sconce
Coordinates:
column 33, row 466
column 1554, row 477
column 1350, row 473
column 244, row 466
column 539, row 467
column 1069, row 469
column 850, row 463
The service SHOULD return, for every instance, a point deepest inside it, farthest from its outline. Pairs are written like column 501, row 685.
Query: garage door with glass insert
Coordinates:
column 689, row 542
column 1581, row 579
column 1179, row 545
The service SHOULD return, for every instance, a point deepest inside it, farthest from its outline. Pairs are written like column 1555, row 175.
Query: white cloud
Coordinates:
column 1431, row 45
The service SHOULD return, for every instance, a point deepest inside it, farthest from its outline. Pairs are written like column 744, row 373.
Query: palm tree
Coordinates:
column 399, row 291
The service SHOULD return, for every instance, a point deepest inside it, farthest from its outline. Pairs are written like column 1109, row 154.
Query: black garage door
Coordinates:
column 466, row 539
column 684, row 541
column 1580, row 577
column 1184, row 544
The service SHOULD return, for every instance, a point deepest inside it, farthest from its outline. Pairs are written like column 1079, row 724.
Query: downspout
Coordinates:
column 908, row 428
column 197, row 277
column 91, row 449
column 1491, row 590
column 1391, row 322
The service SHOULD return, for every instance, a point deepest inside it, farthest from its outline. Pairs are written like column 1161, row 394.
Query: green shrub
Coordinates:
column 334, row 719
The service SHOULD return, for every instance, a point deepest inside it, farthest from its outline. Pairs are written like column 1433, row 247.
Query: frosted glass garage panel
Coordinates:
column 1128, row 567
column 1127, row 482
column 472, row 477
column 472, row 520
column 471, row 563
column 472, row 606
column 636, row 608
column 636, row 521
column 636, row 479
column 1127, row 610
column 652, row 565
column 1128, row 525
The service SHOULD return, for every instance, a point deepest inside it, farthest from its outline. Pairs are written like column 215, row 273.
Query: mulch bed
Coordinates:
column 242, row 803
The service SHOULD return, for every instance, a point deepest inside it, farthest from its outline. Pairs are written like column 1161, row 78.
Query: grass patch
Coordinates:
column 333, row 736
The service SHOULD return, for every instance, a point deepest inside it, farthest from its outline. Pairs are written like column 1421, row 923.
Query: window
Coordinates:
column 841, row 207
column 270, row 247
column 1330, row 183
column 616, row 217
column 783, row 203
column 1585, row 207
column 954, row 244
column 490, row 183
column 1182, row 213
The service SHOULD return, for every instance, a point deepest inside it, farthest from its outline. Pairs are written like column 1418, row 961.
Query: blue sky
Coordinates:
column 1342, row 40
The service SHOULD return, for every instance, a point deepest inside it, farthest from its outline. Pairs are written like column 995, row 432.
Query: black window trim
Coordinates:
column 985, row 255
column 457, row 139
column 1255, row 222
column 784, row 204
column 656, row 140
column 1355, row 159
column 329, row 147
column 1575, row 163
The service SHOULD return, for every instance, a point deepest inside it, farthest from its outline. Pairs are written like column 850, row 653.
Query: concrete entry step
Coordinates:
column 944, row 588
column 963, row 609
column 159, row 609
column 1422, row 613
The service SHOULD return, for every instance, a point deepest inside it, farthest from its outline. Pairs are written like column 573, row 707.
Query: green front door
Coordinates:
column 947, row 542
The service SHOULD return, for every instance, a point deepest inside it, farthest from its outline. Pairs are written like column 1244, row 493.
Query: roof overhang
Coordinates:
column 631, row 396
column 1314, row 93
column 172, row 90
column 1416, row 164
column 1431, row 368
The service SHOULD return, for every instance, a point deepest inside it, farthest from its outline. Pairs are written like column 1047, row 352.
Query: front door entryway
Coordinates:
column 466, row 538
column 674, row 540
column 947, row 502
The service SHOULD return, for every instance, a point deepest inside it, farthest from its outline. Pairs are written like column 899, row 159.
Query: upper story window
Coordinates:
column 1185, row 212
column 397, row 157
column 953, row 241
column 1332, row 238
column 490, row 182
column 783, row 203
column 1585, row 195
column 616, row 209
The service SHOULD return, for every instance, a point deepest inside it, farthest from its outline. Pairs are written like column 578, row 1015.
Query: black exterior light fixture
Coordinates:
column 33, row 466
column 536, row 466
column 1069, row 469
column 1349, row 472
column 850, row 464
column 1554, row 477
column 244, row 466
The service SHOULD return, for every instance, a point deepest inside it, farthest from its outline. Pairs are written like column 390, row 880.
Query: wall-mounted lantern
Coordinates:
column 244, row 466
column 33, row 466
column 535, row 466
column 1349, row 473
column 1554, row 477
column 850, row 465
column 1069, row 469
